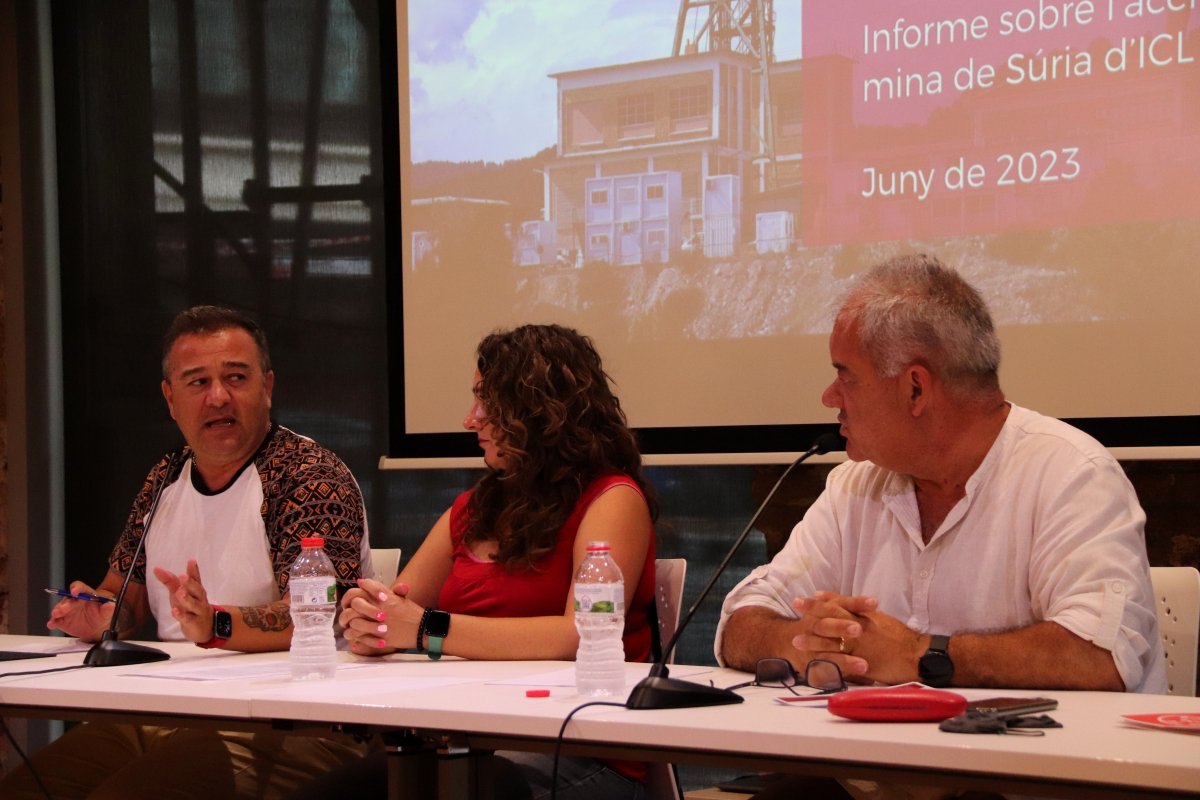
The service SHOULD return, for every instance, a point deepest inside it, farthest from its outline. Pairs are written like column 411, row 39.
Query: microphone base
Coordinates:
column 654, row 692
column 115, row 653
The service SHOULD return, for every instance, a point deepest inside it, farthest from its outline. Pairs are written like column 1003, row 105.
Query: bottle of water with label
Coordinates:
column 600, row 620
column 313, row 588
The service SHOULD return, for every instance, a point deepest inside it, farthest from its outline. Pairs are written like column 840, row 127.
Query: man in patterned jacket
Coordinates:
column 235, row 503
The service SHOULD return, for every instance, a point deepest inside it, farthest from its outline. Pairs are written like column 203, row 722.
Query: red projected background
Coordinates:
column 945, row 119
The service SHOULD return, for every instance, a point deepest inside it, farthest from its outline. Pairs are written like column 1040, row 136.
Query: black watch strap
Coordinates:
column 935, row 667
column 421, row 626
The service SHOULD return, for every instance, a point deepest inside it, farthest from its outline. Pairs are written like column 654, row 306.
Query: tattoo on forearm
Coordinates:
column 126, row 621
column 274, row 617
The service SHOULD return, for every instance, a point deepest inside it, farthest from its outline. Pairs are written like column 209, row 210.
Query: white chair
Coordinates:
column 385, row 564
column 669, row 576
column 1177, row 599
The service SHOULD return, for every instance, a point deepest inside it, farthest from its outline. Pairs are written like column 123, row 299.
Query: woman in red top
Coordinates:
column 563, row 470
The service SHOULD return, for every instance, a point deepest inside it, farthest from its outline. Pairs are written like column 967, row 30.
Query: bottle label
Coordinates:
column 600, row 598
column 313, row 591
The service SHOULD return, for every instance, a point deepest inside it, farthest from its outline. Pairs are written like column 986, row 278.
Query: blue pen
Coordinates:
column 95, row 598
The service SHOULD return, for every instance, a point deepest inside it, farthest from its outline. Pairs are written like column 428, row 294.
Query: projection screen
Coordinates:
column 695, row 186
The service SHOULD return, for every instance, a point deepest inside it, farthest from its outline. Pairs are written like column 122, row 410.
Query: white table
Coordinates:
column 1094, row 755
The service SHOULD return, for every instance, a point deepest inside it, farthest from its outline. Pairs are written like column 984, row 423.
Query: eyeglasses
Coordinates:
column 821, row 676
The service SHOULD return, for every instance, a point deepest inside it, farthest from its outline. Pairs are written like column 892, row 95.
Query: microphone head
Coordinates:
column 827, row 442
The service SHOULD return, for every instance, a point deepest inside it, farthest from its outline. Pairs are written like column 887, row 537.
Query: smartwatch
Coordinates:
column 437, row 626
column 222, row 629
column 935, row 667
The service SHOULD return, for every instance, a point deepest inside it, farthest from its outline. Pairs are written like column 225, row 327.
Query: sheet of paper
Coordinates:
column 359, row 687
column 53, row 645
column 811, row 698
column 566, row 677
column 221, row 669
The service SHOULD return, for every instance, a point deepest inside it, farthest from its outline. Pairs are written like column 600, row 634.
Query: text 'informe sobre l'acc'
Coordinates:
column 1021, row 68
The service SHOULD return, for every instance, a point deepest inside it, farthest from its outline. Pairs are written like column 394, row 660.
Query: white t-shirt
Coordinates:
column 226, row 535
column 1049, row 530
column 246, row 535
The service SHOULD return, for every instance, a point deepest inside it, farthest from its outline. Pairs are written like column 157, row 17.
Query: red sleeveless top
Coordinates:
column 488, row 589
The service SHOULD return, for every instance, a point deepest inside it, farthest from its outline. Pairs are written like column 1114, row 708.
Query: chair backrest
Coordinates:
column 1177, row 599
column 385, row 564
column 669, row 575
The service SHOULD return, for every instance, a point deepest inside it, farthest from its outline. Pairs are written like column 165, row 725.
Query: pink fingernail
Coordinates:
column 381, row 644
column 383, row 596
column 382, row 629
column 381, row 616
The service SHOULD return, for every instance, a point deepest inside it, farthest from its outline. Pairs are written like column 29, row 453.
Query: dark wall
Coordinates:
column 213, row 151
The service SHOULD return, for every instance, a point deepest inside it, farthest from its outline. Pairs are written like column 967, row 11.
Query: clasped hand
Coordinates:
column 866, row 644
column 378, row 620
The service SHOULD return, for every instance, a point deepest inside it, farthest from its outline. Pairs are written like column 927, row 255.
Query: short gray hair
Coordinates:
column 913, row 309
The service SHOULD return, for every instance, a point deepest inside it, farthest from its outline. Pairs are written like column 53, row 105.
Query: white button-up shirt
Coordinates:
column 1049, row 530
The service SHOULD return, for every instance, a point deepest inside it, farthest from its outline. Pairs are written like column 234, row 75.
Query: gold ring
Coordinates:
column 841, row 645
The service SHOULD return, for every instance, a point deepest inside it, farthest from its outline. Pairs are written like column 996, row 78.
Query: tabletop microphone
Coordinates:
column 658, row 690
column 111, row 651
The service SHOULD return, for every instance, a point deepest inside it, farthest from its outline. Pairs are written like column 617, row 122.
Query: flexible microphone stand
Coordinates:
column 111, row 651
column 658, row 690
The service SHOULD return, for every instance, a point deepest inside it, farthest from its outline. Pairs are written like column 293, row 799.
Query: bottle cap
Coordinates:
column 597, row 547
column 312, row 541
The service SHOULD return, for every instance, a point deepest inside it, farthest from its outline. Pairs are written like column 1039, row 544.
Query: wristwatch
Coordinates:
column 935, row 667
column 437, row 626
column 222, row 629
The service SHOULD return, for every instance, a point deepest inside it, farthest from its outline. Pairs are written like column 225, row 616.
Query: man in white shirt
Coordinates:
column 968, row 541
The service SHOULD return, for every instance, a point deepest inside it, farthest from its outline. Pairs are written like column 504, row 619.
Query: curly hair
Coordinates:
column 559, row 426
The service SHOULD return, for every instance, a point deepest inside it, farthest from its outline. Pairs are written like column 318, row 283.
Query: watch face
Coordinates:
column 438, row 624
column 222, row 624
column 936, row 669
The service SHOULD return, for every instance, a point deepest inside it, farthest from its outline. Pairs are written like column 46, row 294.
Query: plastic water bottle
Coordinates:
column 313, row 587
column 600, row 620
